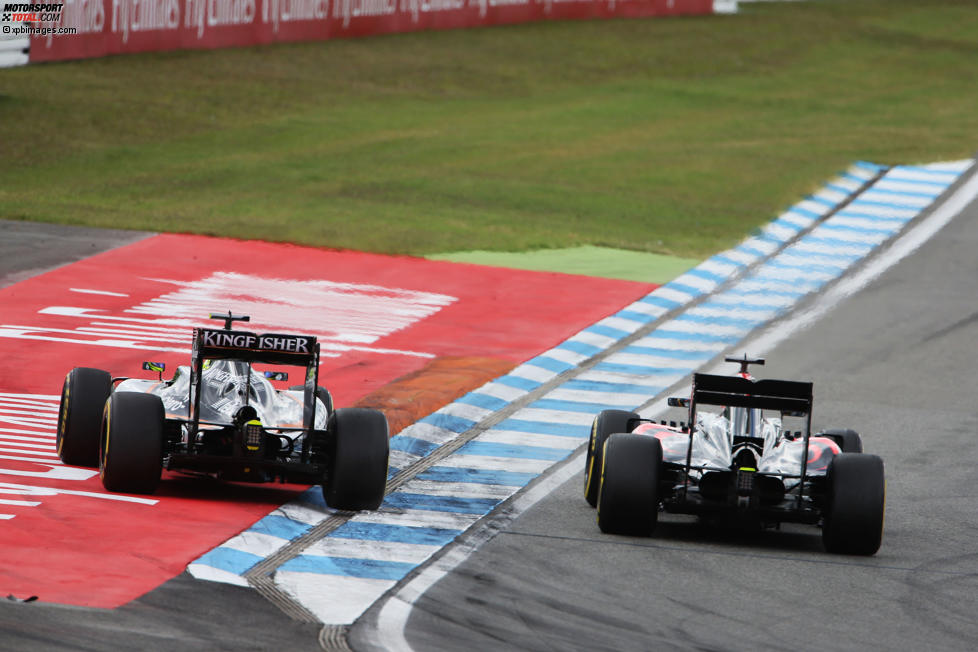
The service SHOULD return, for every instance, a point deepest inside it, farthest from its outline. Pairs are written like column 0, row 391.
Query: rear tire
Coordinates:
column 83, row 397
column 358, row 450
column 131, row 452
column 628, row 500
column 855, row 504
column 607, row 423
column 847, row 439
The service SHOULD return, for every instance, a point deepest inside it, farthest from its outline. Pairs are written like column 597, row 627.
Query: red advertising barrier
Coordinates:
column 102, row 27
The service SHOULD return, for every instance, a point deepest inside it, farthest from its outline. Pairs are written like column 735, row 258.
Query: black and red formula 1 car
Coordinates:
column 220, row 416
column 739, row 462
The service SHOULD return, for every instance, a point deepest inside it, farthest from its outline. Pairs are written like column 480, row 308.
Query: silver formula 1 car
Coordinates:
column 738, row 462
column 221, row 416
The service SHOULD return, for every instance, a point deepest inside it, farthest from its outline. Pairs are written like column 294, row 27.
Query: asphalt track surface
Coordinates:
column 896, row 361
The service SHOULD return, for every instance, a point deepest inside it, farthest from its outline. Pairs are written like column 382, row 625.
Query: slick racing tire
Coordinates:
column 358, row 447
column 855, row 504
column 608, row 422
column 848, row 440
column 322, row 394
column 131, row 451
column 83, row 398
column 628, row 498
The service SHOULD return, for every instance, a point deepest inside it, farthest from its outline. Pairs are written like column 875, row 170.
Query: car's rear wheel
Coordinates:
column 847, row 439
column 628, row 498
column 358, row 448
column 131, row 451
column 855, row 504
column 83, row 396
column 608, row 422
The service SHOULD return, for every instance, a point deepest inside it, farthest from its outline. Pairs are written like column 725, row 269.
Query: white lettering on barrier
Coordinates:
column 84, row 16
column 284, row 11
column 218, row 13
column 144, row 16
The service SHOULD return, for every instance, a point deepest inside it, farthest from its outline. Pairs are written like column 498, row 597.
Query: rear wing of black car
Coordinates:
column 266, row 348
column 788, row 396
column 791, row 398
column 270, row 348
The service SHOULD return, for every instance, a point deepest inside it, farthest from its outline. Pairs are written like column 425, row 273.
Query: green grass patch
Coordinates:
column 586, row 260
column 669, row 136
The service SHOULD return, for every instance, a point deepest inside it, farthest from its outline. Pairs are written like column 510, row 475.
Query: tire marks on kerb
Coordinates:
column 455, row 466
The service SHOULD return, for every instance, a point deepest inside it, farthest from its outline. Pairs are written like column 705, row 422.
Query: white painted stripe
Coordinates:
column 466, row 411
column 906, row 174
column 595, row 339
column 698, row 282
column 256, row 543
column 484, row 462
column 585, row 396
column 779, row 231
column 799, row 220
column 566, row 355
column 662, row 342
column 830, row 250
column 647, row 309
column 639, row 360
column 622, row 324
column 792, row 256
column 425, row 517
column 868, row 222
column 36, row 437
column 650, row 380
column 335, row 599
column 686, row 326
column 670, row 294
column 27, row 451
column 714, row 266
column 303, row 512
column 798, row 274
column 460, row 489
column 760, row 300
column 503, row 392
column 900, row 199
column 515, row 438
column 104, row 292
column 209, row 573
column 740, row 256
column 951, row 166
column 554, row 416
column 813, row 207
column 832, row 195
column 849, row 235
column 734, row 312
column 861, row 172
column 933, row 188
column 19, row 503
column 414, row 553
column 428, row 432
column 881, row 211
column 533, row 372
column 849, row 184
column 401, row 459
